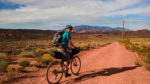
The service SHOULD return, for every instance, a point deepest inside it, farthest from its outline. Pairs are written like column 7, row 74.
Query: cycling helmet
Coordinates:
column 69, row 27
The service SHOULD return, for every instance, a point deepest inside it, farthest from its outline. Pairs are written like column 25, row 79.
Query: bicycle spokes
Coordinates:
column 75, row 65
column 56, row 69
column 74, row 62
column 54, row 73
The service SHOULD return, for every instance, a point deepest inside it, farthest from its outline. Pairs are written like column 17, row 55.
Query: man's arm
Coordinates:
column 70, row 42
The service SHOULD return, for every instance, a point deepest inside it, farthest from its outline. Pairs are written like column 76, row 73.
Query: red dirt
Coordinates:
column 112, row 64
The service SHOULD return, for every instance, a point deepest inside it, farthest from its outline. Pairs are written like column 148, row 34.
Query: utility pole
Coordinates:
column 123, row 30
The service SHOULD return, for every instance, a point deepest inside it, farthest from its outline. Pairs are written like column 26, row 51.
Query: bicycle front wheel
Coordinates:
column 75, row 65
column 54, row 72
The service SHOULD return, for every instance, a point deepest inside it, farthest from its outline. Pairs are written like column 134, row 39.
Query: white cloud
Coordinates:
column 52, row 12
column 139, row 10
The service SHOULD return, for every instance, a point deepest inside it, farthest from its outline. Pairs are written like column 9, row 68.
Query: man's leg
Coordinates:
column 67, row 57
column 67, row 63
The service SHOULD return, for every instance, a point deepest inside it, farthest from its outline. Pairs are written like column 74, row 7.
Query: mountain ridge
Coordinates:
column 100, row 28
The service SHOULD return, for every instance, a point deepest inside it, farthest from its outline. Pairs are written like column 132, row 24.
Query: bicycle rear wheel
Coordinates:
column 75, row 65
column 54, row 72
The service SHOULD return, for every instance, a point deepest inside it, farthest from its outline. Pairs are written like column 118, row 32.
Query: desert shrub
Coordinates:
column 15, row 68
column 39, row 62
column 8, row 51
column 126, row 41
column 27, row 54
column 11, row 73
column 147, row 66
column 16, row 52
column 89, row 44
column 28, row 47
column 138, row 62
column 3, row 56
column 129, row 45
column 147, row 63
column 51, row 49
column 40, row 52
column 19, row 69
column 24, row 62
column 46, row 58
column 3, row 62
column 135, row 48
column 3, row 65
column 38, row 65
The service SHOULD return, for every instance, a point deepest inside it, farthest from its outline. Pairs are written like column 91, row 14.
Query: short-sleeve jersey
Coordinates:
column 65, row 37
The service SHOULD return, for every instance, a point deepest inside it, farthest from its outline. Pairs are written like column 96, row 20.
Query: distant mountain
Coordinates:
column 25, row 34
column 100, row 28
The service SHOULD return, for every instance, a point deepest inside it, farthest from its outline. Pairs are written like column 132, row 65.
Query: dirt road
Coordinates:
column 112, row 64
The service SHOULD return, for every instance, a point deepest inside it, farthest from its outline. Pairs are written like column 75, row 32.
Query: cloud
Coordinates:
column 139, row 10
column 47, row 13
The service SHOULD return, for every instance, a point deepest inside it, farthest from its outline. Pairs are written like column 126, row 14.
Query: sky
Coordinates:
column 56, row 14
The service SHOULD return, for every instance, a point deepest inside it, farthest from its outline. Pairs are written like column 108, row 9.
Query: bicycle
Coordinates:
column 56, row 69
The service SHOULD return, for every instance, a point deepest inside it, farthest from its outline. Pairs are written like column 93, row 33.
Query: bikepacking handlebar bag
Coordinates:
column 56, row 54
column 75, row 51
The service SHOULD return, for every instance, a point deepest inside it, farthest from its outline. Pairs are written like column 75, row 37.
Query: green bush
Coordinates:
column 46, row 59
column 24, row 62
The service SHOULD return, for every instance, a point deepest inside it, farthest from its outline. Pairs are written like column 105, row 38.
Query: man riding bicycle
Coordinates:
column 64, row 49
column 65, row 56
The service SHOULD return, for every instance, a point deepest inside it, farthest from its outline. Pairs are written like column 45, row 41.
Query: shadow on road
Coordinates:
column 94, row 73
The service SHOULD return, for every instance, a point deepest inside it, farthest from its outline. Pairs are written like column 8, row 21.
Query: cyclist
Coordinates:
column 64, row 49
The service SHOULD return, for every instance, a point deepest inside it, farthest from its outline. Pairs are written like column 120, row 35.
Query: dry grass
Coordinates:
column 142, row 47
column 27, row 54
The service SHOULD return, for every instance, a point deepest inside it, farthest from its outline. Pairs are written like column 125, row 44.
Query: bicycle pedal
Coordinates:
column 67, row 75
